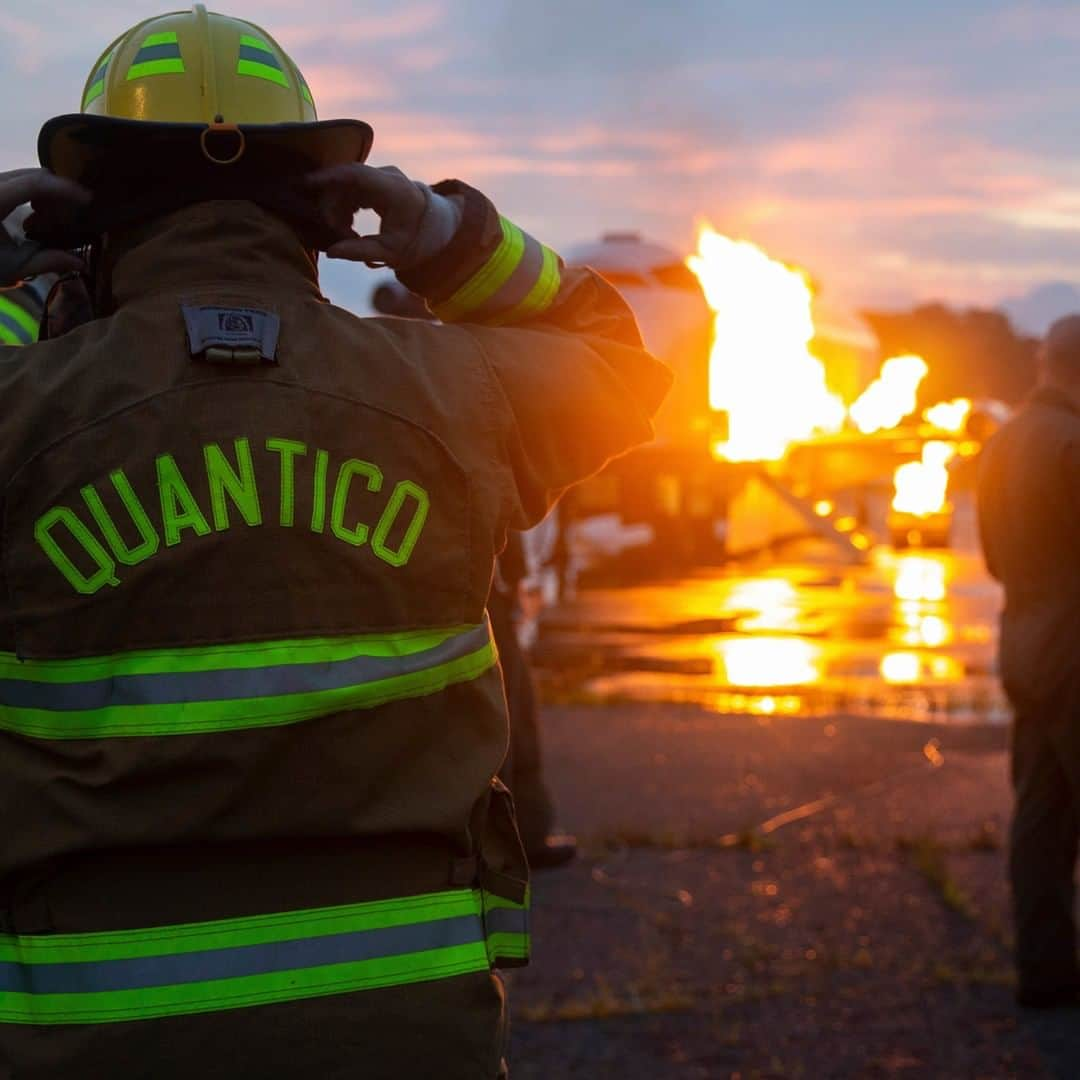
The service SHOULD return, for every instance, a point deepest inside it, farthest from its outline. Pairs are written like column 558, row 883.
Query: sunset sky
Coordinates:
column 900, row 151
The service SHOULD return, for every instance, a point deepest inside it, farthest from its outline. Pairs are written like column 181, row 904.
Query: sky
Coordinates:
column 899, row 151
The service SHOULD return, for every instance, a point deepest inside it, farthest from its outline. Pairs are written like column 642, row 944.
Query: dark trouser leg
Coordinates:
column 1042, row 861
column 523, row 770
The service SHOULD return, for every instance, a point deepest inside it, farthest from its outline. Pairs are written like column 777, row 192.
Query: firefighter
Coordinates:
column 252, row 713
column 1029, row 518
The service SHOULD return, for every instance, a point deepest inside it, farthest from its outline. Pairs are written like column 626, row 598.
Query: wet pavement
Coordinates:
column 909, row 635
column 776, row 878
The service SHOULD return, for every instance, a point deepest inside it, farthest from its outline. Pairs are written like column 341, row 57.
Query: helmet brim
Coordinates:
column 78, row 146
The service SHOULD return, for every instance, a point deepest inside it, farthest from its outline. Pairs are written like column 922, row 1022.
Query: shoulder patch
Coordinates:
column 232, row 335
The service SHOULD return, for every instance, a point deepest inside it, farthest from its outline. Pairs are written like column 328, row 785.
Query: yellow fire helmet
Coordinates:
column 195, row 85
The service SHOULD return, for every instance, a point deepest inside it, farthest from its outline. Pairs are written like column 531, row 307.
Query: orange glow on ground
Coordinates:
column 920, row 577
column 769, row 661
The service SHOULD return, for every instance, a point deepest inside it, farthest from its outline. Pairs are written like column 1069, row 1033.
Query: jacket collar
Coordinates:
column 228, row 243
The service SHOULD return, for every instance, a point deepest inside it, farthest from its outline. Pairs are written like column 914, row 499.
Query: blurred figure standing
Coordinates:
column 1029, row 520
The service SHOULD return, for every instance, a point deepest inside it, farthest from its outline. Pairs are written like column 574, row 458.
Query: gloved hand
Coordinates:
column 47, row 193
column 415, row 223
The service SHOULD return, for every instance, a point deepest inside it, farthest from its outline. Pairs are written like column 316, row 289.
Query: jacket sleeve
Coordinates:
column 574, row 382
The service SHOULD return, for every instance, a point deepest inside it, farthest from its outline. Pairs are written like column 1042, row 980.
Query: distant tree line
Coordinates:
column 973, row 353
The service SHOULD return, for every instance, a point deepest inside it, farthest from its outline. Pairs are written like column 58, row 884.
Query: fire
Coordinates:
column 922, row 486
column 762, row 372
column 891, row 396
column 950, row 416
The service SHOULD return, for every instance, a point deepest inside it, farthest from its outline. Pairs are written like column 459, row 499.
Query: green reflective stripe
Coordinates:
column 214, row 657
column 499, row 903
column 236, row 714
column 257, row 60
column 306, row 91
column 173, row 66
column 220, row 994
column 540, row 297
column 234, row 963
column 8, row 336
column 261, row 71
column 94, row 91
column 507, row 927
column 507, row 946
column 490, row 278
column 181, row 938
column 16, row 313
column 97, row 83
column 159, row 54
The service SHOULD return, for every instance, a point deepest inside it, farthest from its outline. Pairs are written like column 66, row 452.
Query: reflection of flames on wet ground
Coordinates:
column 907, row 636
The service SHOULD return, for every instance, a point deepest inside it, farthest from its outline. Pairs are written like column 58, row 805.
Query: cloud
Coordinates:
column 25, row 41
column 893, row 149
column 1034, row 22
column 346, row 26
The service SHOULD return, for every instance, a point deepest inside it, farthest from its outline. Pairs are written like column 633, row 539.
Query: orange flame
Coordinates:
column 891, row 396
column 761, row 370
column 950, row 416
column 921, row 487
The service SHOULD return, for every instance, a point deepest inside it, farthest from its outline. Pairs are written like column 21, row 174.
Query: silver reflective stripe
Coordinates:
column 175, row 688
column 231, row 963
column 521, row 282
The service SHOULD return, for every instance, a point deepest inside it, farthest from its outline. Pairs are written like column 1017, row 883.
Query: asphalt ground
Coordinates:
column 771, row 896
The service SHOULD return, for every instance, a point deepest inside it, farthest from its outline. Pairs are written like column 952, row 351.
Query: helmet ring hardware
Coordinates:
column 218, row 128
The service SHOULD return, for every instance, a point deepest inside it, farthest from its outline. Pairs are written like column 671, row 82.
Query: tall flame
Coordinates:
column 891, row 396
column 761, row 369
column 922, row 486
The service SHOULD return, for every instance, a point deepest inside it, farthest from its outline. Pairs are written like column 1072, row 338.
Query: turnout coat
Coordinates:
column 250, row 708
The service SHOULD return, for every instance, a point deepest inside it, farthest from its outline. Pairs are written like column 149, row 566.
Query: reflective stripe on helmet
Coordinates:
column 257, row 60
column 234, row 963
column 305, row 89
column 520, row 280
column 158, row 55
column 97, row 82
column 233, row 687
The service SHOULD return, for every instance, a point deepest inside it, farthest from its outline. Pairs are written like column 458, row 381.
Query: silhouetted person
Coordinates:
column 1029, row 517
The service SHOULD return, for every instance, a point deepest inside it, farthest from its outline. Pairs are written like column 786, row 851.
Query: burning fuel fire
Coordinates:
column 762, row 372
column 774, row 390
column 922, row 486
column 891, row 396
column 950, row 416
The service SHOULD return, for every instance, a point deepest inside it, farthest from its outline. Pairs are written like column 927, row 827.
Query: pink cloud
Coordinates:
column 347, row 88
column 404, row 22
column 26, row 41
